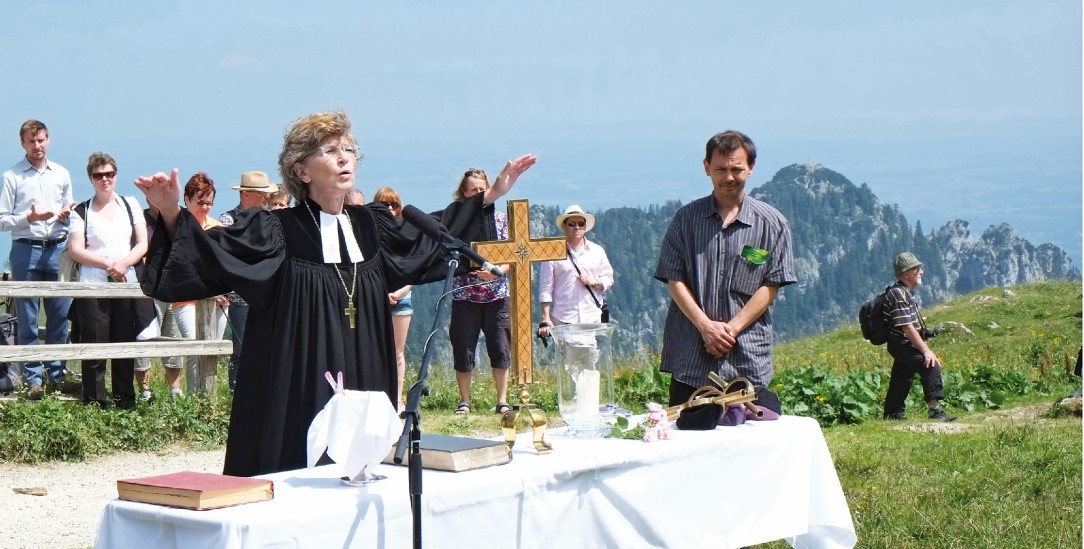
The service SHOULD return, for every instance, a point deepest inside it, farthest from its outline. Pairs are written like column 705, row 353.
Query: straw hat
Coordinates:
column 256, row 181
column 576, row 211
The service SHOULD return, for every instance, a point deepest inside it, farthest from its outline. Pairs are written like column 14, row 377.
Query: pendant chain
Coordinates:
column 350, row 310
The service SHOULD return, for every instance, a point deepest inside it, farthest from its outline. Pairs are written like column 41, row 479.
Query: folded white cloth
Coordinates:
column 357, row 428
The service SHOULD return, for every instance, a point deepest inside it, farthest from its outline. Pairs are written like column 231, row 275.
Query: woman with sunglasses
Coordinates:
column 107, row 239
column 316, row 278
column 199, row 197
column 401, row 308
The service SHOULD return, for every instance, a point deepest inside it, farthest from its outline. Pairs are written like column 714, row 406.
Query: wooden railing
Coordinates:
column 205, row 346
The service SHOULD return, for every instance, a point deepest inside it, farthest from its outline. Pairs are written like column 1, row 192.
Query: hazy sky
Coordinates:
column 965, row 110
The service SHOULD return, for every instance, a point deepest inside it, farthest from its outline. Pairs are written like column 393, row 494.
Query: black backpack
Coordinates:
column 9, row 380
column 871, row 318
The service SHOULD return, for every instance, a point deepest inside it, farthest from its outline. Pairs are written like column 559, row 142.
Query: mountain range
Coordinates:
column 844, row 241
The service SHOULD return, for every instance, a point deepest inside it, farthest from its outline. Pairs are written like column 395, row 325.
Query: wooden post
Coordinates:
column 206, row 330
column 519, row 251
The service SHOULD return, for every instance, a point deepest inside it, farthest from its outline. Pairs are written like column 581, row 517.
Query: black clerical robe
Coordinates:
column 297, row 329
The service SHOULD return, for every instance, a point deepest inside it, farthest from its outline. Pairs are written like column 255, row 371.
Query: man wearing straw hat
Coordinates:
column 255, row 190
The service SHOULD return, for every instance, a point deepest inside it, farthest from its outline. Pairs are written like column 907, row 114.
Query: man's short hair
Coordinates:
column 99, row 159
column 33, row 127
column 730, row 141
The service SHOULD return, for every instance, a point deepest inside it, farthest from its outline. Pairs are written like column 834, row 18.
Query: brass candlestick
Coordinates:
column 536, row 417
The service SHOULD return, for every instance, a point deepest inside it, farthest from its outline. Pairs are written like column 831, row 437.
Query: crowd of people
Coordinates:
column 326, row 284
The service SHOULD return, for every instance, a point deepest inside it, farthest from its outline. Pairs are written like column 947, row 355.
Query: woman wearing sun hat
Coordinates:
column 572, row 290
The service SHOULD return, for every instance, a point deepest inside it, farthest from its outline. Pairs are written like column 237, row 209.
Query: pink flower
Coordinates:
column 657, row 426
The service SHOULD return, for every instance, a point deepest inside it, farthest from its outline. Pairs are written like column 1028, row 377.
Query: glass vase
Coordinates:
column 585, row 375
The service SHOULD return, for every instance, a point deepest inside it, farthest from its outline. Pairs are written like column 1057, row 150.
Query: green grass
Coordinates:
column 66, row 430
column 994, row 483
column 1019, row 348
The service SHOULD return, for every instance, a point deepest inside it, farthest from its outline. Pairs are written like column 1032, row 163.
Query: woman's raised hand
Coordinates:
column 162, row 191
column 508, row 176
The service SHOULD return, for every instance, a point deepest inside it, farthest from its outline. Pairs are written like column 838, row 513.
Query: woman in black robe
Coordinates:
column 317, row 297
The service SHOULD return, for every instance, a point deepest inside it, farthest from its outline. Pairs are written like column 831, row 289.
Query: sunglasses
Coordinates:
column 575, row 224
column 103, row 175
column 392, row 205
column 205, row 203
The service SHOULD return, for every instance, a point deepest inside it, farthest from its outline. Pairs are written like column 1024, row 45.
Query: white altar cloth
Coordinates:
column 729, row 487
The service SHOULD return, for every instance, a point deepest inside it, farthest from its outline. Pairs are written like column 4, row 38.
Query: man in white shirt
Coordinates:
column 35, row 202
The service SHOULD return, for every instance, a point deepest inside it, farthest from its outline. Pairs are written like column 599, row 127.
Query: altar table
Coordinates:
column 730, row 487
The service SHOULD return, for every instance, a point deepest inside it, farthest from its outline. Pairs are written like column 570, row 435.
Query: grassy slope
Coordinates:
column 998, row 482
column 1038, row 328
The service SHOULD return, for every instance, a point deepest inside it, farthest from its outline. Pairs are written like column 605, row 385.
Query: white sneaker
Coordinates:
column 176, row 393
column 145, row 395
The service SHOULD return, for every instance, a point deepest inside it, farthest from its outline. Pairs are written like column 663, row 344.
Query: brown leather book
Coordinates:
column 199, row 491
column 445, row 453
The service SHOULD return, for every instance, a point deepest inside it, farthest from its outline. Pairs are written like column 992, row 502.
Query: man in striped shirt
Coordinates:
column 907, row 344
column 724, row 258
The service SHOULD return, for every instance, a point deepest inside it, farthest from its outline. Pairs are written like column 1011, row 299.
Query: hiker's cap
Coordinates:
column 905, row 262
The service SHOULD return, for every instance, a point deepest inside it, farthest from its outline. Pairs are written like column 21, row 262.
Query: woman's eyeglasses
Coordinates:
column 205, row 203
column 103, row 175
column 334, row 150
column 575, row 224
column 391, row 205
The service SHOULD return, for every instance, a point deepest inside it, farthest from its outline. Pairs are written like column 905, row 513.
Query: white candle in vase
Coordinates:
column 587, row 393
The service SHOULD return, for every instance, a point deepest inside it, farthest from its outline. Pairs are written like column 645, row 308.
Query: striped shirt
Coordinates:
column 900, row 309
column 699, row 251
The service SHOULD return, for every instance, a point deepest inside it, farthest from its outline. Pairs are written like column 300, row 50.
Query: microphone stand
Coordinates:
column 411, row 415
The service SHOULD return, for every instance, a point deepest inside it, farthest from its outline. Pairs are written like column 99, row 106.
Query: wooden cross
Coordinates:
column 519, row 251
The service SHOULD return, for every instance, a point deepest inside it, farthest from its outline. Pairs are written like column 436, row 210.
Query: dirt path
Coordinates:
column 68, row 515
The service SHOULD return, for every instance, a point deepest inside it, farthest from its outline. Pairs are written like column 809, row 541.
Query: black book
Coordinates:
column 446, row 453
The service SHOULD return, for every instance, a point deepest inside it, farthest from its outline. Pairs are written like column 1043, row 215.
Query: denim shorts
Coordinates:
column 402, row 307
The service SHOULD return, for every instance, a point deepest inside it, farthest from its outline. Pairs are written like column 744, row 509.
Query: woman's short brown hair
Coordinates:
column 99, row 159
column 303, row 138
column 198, row 185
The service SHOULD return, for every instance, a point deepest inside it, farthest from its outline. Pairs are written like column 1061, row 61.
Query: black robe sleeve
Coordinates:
column 245, row 257
column 413, row 258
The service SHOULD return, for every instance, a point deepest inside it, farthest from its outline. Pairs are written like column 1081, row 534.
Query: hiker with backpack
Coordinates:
column 907, row 336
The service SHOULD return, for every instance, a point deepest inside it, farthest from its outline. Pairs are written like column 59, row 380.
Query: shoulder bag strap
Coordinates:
column 578, row 273
column 131, row 219
column 82, row 208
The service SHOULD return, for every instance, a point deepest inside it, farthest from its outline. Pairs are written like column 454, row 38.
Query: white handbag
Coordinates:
column 67, row 269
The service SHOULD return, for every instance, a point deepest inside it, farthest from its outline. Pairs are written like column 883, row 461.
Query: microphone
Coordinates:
column 433, row 229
